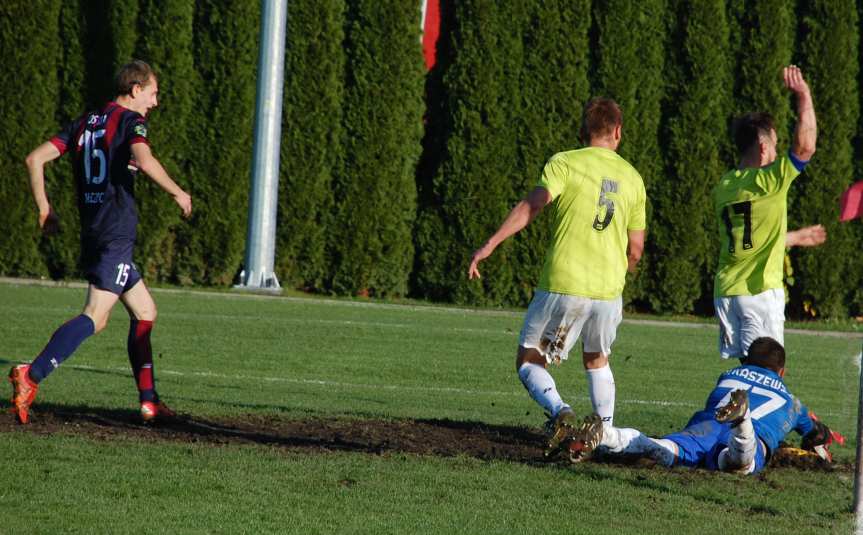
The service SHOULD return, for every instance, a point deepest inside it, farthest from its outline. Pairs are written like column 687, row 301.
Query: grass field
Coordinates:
column 354, row 403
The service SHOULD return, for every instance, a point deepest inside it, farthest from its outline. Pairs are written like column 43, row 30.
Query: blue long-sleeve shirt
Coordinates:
column 775, row 411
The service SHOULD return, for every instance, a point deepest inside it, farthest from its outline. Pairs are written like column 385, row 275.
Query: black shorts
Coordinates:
column 110, row 267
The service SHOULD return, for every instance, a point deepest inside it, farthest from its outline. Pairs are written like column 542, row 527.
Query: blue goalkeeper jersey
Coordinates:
column 775, row 411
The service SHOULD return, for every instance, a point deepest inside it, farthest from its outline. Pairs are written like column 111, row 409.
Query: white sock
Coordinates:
column 626, row 441
column 540, row 386
column 617, row 439
column 742, row 445
column 600, row 385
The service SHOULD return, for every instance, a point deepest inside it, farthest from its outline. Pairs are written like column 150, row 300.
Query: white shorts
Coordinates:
column 743, row 318
column 555, row 321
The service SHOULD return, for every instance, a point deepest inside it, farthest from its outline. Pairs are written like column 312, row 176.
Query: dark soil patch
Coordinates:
column 439, row 438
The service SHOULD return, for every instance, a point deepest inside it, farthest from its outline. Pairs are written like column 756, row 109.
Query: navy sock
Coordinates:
column 63, row 343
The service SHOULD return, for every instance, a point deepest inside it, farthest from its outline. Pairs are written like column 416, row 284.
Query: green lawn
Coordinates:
column 224, row 356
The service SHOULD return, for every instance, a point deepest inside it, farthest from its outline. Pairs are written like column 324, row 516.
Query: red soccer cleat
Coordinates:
column 155, row 410
column 23, row 392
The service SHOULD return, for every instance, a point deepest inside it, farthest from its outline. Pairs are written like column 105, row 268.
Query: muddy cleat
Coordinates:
column 586, row 439
column 152, row 411
column 23, row 392
column 560, row 430
column 735, row 410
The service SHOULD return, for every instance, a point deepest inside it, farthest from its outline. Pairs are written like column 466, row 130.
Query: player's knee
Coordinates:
column 99, row 323
column 593, row 361
column 149, row 314
column 529, row 354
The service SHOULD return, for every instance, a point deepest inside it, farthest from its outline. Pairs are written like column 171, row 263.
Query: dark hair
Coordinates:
column 766, row 353
column 601, row 116
column 748, row 128
column 131, row 74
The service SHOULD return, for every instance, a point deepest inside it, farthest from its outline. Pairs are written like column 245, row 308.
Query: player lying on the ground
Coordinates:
column 747, row 415
column 108, row 147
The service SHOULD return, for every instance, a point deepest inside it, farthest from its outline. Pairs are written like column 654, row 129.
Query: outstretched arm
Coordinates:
column 151, row 166
column 519, row 217
column 806, row 237
column 819, row 437
column 806, row 132
column 36, row 160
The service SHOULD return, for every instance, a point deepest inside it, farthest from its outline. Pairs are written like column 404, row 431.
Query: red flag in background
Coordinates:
column 431, row 31
column 851, row 205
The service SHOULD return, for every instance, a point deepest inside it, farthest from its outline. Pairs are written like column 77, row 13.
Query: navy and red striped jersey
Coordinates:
column 101, row 146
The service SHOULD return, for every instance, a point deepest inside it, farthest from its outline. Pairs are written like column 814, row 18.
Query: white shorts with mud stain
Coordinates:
column 555, row 321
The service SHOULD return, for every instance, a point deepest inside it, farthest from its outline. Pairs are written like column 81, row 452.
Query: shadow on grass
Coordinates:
column 442, row 438
column 319, row 434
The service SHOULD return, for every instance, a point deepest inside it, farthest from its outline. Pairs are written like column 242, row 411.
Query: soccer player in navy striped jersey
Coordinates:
column 108, row 147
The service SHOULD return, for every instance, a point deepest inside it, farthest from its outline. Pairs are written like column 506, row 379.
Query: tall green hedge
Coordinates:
column 60, row 251
column 28, row 78
column 696, row 108
column 828, row 56
column 122, row 18
column 629, row 51
column 312, row 141
column 364, row 207
column 210, row 245
column 375, row 192
column 427, row 281
column 166, row 43
column 553, row 89
column 763, row 42
column 475, row 182
column 856, row 299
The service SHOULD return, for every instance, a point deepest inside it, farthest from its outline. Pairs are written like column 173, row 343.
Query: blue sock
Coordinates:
column 63, row 343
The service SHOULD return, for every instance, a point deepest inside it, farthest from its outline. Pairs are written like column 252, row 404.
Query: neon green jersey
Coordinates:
column 751, row 208
column 598, row 197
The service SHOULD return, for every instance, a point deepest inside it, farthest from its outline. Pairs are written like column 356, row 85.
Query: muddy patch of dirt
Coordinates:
column 442, row 438
column 439, row 438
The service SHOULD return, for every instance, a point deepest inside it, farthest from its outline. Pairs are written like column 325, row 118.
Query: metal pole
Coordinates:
column 258, row 271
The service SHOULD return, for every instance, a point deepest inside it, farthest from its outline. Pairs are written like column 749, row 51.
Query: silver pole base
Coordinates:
column 262, row 281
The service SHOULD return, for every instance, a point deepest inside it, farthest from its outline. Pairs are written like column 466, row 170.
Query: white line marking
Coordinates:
column 398, row 388
column 402, row 388
column 393, row 306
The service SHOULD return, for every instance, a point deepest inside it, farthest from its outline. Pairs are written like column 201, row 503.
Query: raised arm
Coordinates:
column 519, row 217
column 151, row 166
column 806, row 132
column 36, row 160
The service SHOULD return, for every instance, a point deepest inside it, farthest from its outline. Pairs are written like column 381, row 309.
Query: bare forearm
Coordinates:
column 632, row 261
column 36, row 160
column 634, row 248
column 37, row 186
column 519, row 217
column 153, row 169
column 811, row 236
column 806, row 132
